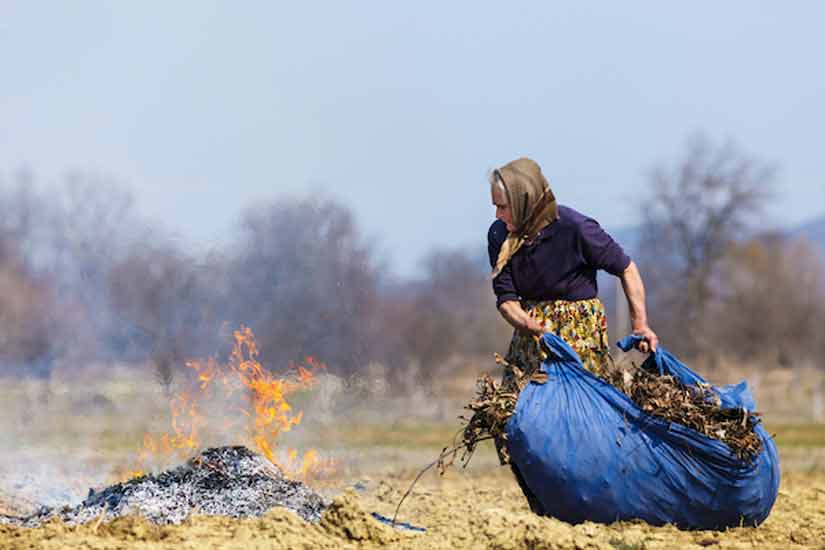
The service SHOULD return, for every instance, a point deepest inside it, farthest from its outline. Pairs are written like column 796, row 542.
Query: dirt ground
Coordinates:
column 461, row 510
column 480, row 507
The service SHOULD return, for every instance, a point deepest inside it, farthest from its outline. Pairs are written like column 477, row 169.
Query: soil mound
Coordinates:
column 346, row 519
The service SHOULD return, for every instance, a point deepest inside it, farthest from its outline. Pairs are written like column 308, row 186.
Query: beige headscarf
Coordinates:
column 531, row 201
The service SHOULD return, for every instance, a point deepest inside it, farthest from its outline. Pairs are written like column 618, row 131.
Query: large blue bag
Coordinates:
column 588, row 452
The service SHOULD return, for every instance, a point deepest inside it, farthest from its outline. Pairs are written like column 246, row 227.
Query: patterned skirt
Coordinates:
column 582, row 324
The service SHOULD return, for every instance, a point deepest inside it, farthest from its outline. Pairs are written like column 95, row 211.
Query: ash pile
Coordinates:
column 224, row 481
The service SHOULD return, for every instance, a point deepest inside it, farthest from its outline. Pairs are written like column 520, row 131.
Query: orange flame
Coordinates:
column 261, row 415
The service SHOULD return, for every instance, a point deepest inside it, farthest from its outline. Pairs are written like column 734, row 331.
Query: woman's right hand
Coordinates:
column 519, row 319
column 534, row 327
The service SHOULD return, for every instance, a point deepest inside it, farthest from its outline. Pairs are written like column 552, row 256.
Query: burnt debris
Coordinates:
column 224, row 481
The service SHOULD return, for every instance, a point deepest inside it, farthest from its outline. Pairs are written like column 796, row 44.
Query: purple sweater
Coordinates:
column 562, row 262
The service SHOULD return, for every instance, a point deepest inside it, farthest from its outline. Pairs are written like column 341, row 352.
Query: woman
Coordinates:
column 544, row 259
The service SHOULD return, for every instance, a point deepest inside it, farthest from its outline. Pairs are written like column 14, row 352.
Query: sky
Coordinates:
column 399, row 110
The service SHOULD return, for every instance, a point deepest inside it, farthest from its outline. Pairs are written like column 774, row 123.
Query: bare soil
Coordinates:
column 460, row 510
column 52, row 454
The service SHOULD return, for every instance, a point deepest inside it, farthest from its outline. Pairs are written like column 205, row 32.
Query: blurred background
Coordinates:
column 317, row 172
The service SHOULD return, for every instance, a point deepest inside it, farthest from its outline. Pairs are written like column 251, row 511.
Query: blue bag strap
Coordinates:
column 665, row 362
column 629, row 342
column 559, row 349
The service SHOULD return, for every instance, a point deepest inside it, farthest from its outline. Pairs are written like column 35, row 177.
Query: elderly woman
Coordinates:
column 544, row 259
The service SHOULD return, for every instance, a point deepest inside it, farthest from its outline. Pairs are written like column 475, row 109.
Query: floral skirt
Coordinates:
column 582, row 324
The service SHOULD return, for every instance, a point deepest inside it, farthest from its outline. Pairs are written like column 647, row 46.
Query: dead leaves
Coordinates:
column 698, row 407
column 662, row 396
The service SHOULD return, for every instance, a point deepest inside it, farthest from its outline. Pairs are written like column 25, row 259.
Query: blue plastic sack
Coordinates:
column 588, row 452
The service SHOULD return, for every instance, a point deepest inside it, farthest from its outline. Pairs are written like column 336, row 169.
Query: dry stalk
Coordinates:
column 100, row 518
column 697, row 407
column 443, row 461
column 492, row 407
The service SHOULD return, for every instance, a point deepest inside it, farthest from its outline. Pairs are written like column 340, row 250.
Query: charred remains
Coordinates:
column 225, row 481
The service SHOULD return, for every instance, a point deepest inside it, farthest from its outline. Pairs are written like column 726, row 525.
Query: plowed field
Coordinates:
column 461, row 510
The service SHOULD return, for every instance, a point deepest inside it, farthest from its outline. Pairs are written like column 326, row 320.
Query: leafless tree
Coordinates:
column 66, row 238
column 25, row 301
column 305, row 280
column 161, row 306
column 451, row 310
column 772, row 301
column 692, row 214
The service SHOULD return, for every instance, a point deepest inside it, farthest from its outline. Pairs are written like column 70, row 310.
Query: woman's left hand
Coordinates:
column 650, row 339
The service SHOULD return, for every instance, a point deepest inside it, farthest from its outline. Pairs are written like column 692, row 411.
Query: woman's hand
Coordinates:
column 519, row 319
column 650, row 339
column 534, row 327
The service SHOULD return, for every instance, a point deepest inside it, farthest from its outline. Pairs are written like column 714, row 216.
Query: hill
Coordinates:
column 814, row 231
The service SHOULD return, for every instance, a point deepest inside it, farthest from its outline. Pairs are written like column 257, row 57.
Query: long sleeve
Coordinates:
column 599, row 249
column 503, row 285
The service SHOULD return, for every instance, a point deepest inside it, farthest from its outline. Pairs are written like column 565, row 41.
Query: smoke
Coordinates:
column 100, row 311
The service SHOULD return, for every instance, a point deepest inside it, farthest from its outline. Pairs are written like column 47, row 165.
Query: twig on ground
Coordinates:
column 100, row 518
column 441, row 464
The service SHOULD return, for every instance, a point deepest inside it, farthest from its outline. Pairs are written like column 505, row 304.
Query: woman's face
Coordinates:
column 503, row 211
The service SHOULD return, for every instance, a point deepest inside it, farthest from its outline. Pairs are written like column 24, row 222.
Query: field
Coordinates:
column 63, row 436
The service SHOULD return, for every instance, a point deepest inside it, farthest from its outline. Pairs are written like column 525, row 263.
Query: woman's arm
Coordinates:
column 634, row 290
column 519, row 319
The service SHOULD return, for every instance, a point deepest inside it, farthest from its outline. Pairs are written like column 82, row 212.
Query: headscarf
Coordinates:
column 531, row 201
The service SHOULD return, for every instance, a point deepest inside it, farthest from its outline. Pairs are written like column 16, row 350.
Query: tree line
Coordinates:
column 84, row 278
column 722, row 282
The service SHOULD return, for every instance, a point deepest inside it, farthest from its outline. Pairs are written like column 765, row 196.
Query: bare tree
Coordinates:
column 28, row 306
column 694, row 212
column 161, row 307
column 22, row 217
column 305, row 280
column 67, row 237
column 772, row 299
column 450, row 311
column 25, row 300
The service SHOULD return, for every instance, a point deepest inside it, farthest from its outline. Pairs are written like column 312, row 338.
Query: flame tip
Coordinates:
column 265, row 415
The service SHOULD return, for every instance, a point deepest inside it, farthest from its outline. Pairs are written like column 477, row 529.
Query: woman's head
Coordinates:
column 520, row 194
column 524, row 202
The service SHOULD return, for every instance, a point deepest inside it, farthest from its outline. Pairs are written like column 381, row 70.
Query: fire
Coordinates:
column 242, row 400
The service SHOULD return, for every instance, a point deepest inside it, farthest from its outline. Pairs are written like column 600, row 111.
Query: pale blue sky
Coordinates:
column 399, row 110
